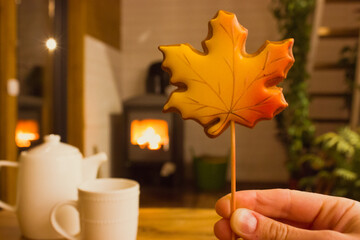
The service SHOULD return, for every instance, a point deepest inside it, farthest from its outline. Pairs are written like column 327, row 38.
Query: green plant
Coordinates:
column 330, row 163
column 348, row 58
column 334, row 167
column 295, row 127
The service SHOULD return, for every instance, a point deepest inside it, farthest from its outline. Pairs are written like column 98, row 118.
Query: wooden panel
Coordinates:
column 9, row 228
column 48, row 84
column 329, row 107
column 176, row 223
column 103, row 21
column 75, row 84
column 8, row 114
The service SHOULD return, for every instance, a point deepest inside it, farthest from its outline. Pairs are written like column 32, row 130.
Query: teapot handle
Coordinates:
column 4, row 163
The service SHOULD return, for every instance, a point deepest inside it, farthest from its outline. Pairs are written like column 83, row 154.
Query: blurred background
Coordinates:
column 90, row 72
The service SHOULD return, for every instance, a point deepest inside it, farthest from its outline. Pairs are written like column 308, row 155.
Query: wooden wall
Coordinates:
column 8, row 104
column 103, row 21
column 75, row 82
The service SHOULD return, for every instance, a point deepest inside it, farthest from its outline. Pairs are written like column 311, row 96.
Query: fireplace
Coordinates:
column 152, row 141
column 28, row 126
column 152, row 134
column 26, row 132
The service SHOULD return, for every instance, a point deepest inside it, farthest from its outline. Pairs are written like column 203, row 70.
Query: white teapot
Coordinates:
column 49, row 173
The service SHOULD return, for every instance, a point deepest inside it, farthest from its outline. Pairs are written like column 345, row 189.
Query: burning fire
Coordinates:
column 26, row 131
column 150, row 133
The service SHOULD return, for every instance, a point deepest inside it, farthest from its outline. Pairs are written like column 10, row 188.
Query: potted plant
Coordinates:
column 334, row 165
column 294, row 125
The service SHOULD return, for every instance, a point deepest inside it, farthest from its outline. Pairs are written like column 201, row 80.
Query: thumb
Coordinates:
column 251, row 225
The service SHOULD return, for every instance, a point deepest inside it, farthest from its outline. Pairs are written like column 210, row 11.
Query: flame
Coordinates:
column 26, row 131
column 150, row 133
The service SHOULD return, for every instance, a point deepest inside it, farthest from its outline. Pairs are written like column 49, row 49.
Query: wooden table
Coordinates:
column 154, row 224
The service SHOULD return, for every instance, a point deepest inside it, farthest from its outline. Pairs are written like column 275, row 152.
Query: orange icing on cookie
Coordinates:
column 224, row 83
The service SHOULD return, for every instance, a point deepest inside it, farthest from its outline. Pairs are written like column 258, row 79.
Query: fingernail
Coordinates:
column 243, row 221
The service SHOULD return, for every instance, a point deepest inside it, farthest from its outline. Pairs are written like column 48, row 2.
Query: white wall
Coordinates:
column 102, row 98
column 148, row 24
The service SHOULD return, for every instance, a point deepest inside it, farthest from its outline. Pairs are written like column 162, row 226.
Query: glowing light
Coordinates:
column 26, row 131
column 150, row 133
column 51, row 44
column 151, row 138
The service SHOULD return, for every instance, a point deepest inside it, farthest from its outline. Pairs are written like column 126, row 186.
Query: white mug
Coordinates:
column 108, row 207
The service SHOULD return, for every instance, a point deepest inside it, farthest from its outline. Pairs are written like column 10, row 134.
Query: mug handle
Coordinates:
column 4, row 163
column 55, row 223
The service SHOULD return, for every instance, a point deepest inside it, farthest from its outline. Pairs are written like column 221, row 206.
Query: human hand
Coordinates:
column 282, row 214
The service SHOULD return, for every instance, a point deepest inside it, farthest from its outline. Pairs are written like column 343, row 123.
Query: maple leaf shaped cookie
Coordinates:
column 225, row 83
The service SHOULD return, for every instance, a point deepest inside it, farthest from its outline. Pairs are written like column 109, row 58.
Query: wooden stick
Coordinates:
column 233, row 172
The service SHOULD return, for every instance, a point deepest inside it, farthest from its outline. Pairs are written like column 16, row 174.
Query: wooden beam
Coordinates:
column 47, row 121
column 8, row 114
column 103, row 22
column 75, row 84
column 355, row 111
column 314, row 39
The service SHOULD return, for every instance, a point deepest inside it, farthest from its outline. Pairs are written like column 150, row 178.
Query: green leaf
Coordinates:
column 345, row 148
column 350, row 136
column 315, row 161
column 345, row 174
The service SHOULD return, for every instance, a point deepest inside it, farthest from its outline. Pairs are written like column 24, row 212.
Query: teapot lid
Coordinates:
column 53, row 146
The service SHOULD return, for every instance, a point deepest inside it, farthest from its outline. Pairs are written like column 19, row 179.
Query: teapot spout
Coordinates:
column 92, row 164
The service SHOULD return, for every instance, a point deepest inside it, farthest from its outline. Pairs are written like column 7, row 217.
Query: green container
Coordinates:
column 210, row 172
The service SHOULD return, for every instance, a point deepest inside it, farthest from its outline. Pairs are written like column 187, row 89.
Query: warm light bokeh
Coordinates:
column 51, row 44
column 26, row 131
column 150, row 133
